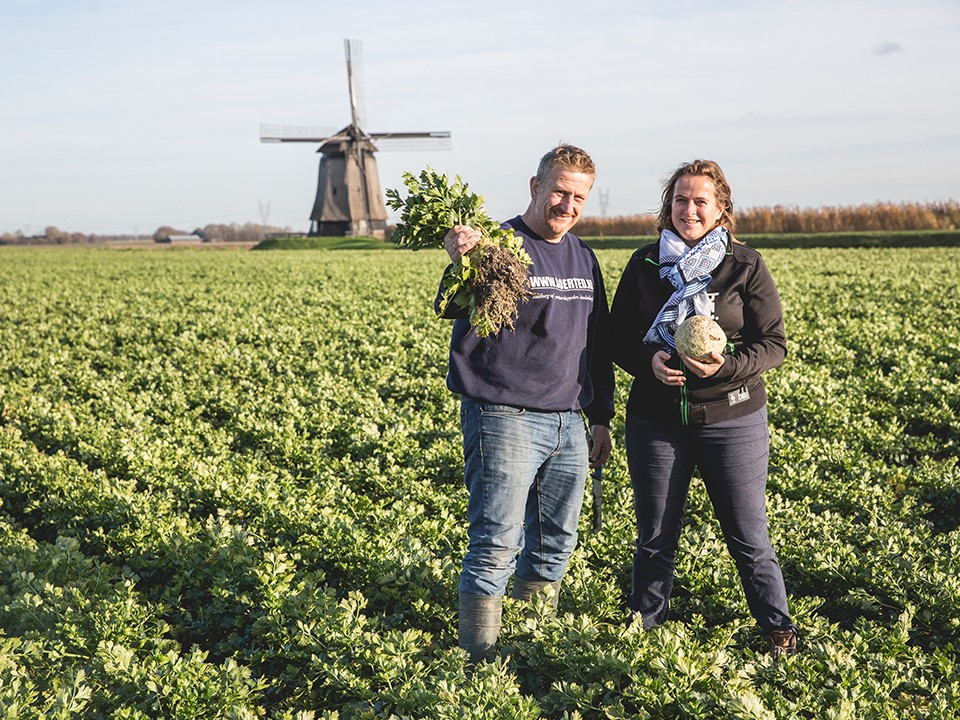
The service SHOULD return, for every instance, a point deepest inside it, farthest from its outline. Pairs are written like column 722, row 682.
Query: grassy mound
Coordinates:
column 304, row 242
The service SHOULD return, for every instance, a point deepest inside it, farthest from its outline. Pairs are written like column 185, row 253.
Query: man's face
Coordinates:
column 556, row 204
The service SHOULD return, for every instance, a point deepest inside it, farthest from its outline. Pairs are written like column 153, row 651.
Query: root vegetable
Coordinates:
column 490, row 280
column 698, row 336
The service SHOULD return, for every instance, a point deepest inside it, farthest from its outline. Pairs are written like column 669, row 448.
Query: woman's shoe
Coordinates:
column 782, row 642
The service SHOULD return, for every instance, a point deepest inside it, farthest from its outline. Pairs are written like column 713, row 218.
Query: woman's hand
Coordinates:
column 704, row 367
column 663, row 372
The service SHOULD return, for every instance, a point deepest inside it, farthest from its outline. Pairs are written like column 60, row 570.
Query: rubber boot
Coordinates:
column 526, row 589
column 479, row 629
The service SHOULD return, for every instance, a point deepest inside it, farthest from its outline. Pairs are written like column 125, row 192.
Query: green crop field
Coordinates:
column 230, row 487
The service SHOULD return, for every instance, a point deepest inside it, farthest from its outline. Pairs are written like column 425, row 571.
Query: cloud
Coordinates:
column 887, row 48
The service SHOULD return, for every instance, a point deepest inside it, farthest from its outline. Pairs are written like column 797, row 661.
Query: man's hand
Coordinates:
column 460, row 240
column 600, row 445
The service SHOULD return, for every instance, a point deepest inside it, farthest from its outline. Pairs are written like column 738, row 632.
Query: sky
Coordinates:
column 119, row 116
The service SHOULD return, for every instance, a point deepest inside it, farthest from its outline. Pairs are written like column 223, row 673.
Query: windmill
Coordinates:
column 349, row 198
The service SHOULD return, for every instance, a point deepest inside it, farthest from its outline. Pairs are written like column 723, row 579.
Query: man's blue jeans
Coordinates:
column 525, row 473
column 732, row 457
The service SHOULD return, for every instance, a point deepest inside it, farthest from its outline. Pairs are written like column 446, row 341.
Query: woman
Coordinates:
column 708, row 413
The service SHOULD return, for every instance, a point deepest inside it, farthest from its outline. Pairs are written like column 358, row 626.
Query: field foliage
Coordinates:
column 230, row 487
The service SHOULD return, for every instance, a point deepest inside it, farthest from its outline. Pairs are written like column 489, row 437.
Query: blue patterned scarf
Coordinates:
column 688, row 270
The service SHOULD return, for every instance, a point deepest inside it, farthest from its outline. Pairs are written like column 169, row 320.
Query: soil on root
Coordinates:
column 499, row 286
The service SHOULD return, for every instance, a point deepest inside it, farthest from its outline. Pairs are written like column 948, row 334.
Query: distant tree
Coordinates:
column 251, row 232
column 54, row 235
column 878, row 216
column 212, row 232
column 233, row 233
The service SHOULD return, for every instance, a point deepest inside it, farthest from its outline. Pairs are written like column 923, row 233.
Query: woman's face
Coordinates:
column 695, row 210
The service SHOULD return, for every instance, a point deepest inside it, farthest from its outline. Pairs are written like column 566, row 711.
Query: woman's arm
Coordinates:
column 631, row 317
column 763, row 337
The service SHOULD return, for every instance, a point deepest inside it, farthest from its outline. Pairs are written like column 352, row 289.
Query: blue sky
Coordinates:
column 121, row 116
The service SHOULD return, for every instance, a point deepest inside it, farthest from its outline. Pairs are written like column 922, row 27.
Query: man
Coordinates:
column 525, row 446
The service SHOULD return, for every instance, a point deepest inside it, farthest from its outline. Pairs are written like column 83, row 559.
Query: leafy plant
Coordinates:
column 490, row 280
column 223, row 496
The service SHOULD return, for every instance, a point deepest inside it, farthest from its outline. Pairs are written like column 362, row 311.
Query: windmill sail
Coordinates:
column 352, row 51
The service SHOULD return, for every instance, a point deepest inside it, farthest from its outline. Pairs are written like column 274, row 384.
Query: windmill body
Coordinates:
column 349, row 199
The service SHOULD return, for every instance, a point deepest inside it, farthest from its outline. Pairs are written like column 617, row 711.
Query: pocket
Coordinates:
column 492, row 409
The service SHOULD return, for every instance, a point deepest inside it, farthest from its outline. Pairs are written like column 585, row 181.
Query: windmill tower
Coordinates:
column 349, row 198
